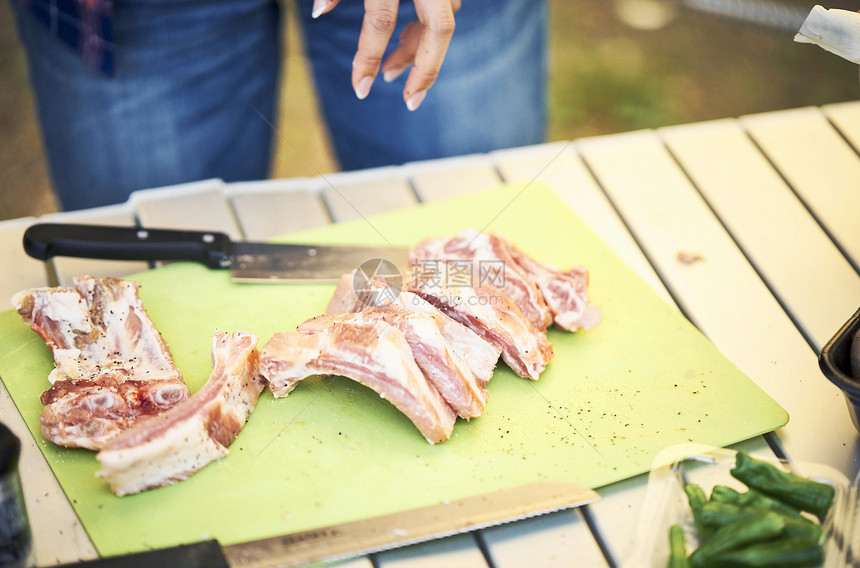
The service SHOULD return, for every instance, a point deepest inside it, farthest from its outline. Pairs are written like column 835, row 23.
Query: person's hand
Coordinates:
column 423, row 44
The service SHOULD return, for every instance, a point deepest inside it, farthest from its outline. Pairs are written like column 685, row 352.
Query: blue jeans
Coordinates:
column 195, row 90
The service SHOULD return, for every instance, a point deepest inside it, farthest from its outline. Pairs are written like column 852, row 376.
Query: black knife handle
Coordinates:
column 205, row 554
column 47, row 240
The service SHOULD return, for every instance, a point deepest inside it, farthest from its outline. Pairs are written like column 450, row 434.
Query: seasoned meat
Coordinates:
column 345, row 300
column 377, row 356
column 544, row 293
column 172, row 446
column 111, row 365
column 480, row 355
column 565, row 292
column 493, row 316
column 476, row 257
column 443, row 368
column 86, row 413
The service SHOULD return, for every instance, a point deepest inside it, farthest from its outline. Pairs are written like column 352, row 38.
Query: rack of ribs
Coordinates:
column 372, row 353
column 480, row 355
column 446, row 371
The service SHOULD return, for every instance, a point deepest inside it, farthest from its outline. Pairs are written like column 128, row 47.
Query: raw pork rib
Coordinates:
column 480, row 355
column 492, row 315
column 170, row 447
column 111, row 365
column 566, row 293
column 491, row 262
column 445, row 370
column 377, row 356
column 562, row 296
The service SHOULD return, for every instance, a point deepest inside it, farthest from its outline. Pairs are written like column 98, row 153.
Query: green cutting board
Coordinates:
column 334, row 451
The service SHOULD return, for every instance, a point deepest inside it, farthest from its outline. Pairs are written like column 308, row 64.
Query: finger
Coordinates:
column 437, row 17
column 323, row 7
column 404, row 54
column 380, row 18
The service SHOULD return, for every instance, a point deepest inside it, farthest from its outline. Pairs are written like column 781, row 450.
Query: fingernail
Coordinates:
column 319, row 8
column 363, row 88
column 415, row 100
column 392, row 74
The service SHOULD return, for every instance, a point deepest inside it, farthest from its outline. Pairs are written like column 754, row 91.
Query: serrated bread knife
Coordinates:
column 247, row 261
column 358, row 538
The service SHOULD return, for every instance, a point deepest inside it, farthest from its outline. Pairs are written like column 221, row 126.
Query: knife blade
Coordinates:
column 247, row 261
column 367, row 536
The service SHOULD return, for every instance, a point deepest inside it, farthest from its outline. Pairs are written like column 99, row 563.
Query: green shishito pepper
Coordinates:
column 759, row 527
column 677, row 548
column 787, row 487
column 756, row 499
column 716, row 514
column 782, row 552
column 697, row 499
column 724, row 494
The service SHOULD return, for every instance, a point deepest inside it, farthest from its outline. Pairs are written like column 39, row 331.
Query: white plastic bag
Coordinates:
column 837, row 31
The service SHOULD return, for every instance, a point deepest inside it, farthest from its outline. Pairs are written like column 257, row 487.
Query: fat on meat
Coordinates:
column 475, row 256
column 492, row 315
column 480, row 355
column 443, row 368
column 562, row 295
column 377, row 356
column 565, row 292
column 164, row 449
column 111, row 365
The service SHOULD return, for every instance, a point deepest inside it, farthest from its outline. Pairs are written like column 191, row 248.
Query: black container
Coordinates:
column 834, row 361
column 14, row 526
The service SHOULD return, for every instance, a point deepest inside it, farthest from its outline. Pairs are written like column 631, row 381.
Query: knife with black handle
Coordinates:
column 247, row 261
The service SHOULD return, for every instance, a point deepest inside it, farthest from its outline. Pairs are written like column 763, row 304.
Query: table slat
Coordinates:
column 460, row 551
column 818, row 164
column 28, row 272
column 555, row 540
column 846, row 118
column 774, row 229
column 454, row 177
column 360, row 562
column 277, row 207
column 367, row 193
column 198, row 206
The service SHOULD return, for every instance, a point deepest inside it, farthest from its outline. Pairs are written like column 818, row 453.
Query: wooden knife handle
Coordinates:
column 46, row 240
